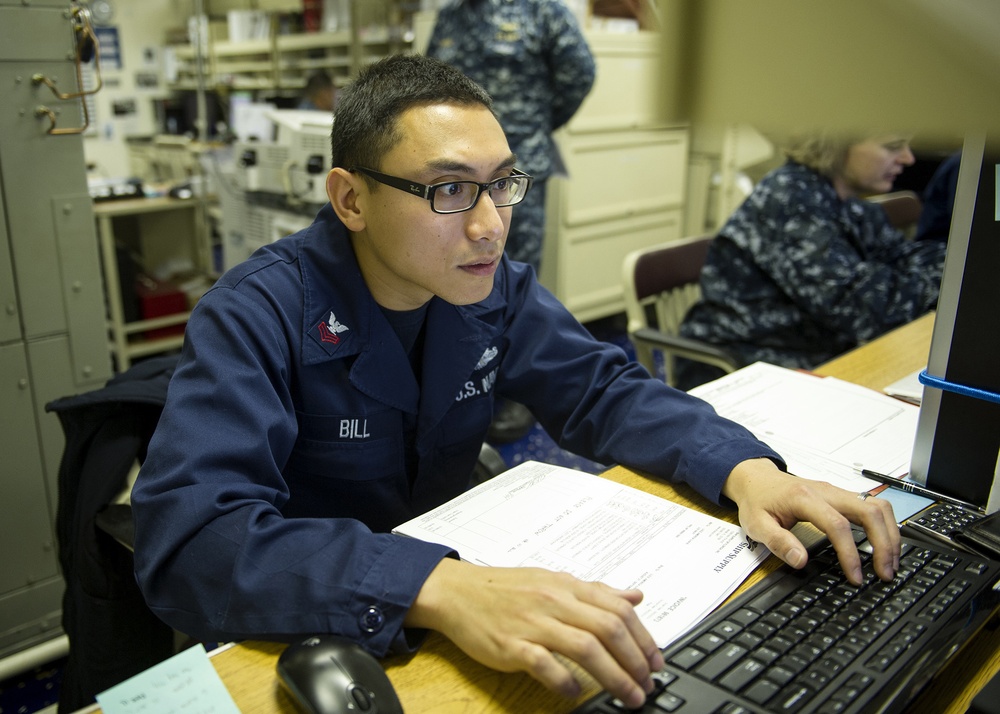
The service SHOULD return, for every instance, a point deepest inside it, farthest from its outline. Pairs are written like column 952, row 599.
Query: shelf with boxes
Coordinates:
column 300, row 55
column 338, row 53
column 285, row 61
column 240, row 65
column 244, row 65
column 146, row 315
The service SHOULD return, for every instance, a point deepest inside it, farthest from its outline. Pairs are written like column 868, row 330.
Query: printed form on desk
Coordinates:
column 826, row 429
column 538, row 515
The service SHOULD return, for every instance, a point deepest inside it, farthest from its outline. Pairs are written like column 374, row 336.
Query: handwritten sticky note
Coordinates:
column 187, row 683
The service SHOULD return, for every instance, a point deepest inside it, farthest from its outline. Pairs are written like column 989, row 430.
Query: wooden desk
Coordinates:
column 443, row 680
column 887, row 358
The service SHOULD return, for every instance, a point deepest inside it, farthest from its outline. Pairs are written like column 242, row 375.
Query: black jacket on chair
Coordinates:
column 112, row 634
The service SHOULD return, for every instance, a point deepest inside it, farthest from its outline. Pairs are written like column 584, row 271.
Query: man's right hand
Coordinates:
column 519, row 619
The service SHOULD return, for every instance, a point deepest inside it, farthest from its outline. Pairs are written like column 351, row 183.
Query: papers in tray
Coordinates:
column 826, row 429
column 538, row 515
column 908, row 388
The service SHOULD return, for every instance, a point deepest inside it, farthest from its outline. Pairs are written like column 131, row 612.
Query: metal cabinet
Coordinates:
column 53, row 340
column 627, row 178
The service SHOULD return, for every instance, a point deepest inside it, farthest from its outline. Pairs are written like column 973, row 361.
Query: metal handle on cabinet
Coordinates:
column 86, row 41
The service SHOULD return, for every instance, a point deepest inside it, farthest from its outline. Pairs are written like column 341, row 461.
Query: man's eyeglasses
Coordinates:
column 458, row 196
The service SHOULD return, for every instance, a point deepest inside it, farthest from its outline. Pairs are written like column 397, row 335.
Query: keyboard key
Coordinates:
column 687, row 658
column 745, row 617
column 742, row 674
column 781, row 675
column 794, row 698
column 762, row 691
column 669, row 702
column 727, row 629
column 709, row 642
column 719, row 662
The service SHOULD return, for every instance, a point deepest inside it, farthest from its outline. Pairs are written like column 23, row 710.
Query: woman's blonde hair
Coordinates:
column 824, row 153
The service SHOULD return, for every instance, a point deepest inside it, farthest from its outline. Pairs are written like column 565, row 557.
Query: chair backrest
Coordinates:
column 668, row 273
column 902, row 208
column 661, row 284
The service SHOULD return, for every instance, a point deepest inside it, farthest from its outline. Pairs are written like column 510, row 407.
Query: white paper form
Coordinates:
column 539, row 515
column 826, row 429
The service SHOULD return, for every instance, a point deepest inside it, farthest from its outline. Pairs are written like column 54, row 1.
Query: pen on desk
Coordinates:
column 919, row 490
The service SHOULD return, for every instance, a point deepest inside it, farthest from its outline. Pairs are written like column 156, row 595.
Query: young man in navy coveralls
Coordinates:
column 341, row 381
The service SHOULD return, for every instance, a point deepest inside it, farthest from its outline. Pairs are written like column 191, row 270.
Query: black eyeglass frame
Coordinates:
column 426, row 191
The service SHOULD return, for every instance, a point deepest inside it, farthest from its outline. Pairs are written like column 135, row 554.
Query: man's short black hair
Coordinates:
column 365, row 127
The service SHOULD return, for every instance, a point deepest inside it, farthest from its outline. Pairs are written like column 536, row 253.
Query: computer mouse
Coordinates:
column 327, row 674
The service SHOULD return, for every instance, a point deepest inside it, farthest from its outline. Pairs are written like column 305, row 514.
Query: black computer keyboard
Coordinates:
column 808, row 641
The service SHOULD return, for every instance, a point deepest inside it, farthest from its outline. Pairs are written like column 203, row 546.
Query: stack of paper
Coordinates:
column 826, row 429
column 538, row 515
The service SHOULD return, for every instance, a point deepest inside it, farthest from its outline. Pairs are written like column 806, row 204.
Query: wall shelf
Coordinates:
column 283, row 62
column 161, row 221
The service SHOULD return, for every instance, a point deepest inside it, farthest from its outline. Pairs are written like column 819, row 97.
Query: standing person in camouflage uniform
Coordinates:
column 806, row 269
column 532, row 58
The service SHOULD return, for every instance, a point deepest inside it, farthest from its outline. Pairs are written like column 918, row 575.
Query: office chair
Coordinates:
column 112, row 633
column 489, row 464
column 902, row 208
column 661, row 284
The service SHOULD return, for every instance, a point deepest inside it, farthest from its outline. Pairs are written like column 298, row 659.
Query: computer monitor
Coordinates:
column 958, row 436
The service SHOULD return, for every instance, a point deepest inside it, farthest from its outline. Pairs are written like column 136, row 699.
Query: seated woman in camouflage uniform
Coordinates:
column 805, row 269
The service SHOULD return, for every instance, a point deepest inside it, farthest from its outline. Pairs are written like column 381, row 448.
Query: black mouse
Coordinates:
column 326, row 674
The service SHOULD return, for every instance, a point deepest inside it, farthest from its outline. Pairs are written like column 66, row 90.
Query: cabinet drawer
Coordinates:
column 627, row 91
column 583, row 267
column 615, row 175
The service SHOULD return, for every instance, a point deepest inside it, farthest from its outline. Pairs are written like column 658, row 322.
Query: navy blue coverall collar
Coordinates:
column 456, row 336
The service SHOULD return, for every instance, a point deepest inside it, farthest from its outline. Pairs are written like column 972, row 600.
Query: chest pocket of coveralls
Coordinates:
column 364, row 447
column 457, row 446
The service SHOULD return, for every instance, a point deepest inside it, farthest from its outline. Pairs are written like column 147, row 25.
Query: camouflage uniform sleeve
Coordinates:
column 571, row 63
column 434, row 43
